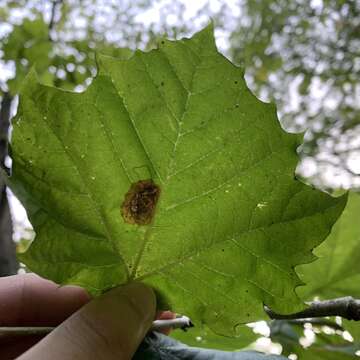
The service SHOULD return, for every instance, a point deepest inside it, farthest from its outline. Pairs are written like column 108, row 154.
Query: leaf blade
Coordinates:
column 231, row 222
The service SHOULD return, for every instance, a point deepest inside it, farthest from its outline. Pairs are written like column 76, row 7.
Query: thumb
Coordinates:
column 109, row 327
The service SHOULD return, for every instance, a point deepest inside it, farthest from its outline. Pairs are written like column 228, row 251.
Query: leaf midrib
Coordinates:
column 148, row 232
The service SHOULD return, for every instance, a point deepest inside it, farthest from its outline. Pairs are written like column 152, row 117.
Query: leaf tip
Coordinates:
column 206, row 37
column 30, row 81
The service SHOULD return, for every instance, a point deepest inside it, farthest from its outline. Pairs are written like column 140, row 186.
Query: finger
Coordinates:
column 28, row 300
column 166, row 315
column 109, row 327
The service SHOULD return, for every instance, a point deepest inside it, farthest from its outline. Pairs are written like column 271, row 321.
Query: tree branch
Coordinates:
column 8, row 262
column 55, row 4
column 4, row 125
column 346, row 307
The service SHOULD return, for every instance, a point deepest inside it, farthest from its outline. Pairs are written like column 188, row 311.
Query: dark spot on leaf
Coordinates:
column 235, row 82
column 163, row 42
column 247, row 315
column 139, row 203
column 162, row 83
column 237, row 105
column 222, row 249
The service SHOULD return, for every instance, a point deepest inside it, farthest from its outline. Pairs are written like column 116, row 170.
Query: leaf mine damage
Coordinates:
column 140, row 201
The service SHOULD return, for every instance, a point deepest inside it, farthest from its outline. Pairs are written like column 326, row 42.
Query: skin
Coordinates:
column 108, row 327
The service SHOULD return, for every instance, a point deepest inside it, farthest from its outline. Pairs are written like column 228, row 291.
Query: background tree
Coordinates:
column 305, row 56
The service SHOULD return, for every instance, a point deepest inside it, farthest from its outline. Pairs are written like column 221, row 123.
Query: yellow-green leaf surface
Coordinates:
column 228, row 222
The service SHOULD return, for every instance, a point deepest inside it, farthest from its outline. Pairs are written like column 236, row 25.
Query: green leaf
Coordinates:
column 338, row 270
column 202, row 336
column 28, row 45
column 327, row 353
column 353, row 327
column 168, row 170
column 324, row 346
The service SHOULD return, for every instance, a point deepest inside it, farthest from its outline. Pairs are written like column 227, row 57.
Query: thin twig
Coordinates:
column 55, row 4
column 8, row 262
column 182, row 322
column 346, row 307
column 5, row 114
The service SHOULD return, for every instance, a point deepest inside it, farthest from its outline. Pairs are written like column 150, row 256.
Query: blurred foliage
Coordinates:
column 28, row 44
column 201, row 336
column 305, row 56
column 337, row 269
column 22, row 245
column 327, row 344
column 62, row 52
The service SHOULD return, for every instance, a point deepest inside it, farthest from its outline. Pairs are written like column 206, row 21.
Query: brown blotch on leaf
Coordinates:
column 140, row 201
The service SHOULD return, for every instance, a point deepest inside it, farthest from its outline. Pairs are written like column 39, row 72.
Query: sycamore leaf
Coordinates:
column 168, row 170
column 338, row 268
column 202, row 336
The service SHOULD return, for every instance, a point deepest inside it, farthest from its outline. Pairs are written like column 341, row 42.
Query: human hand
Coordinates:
column 108, row 327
